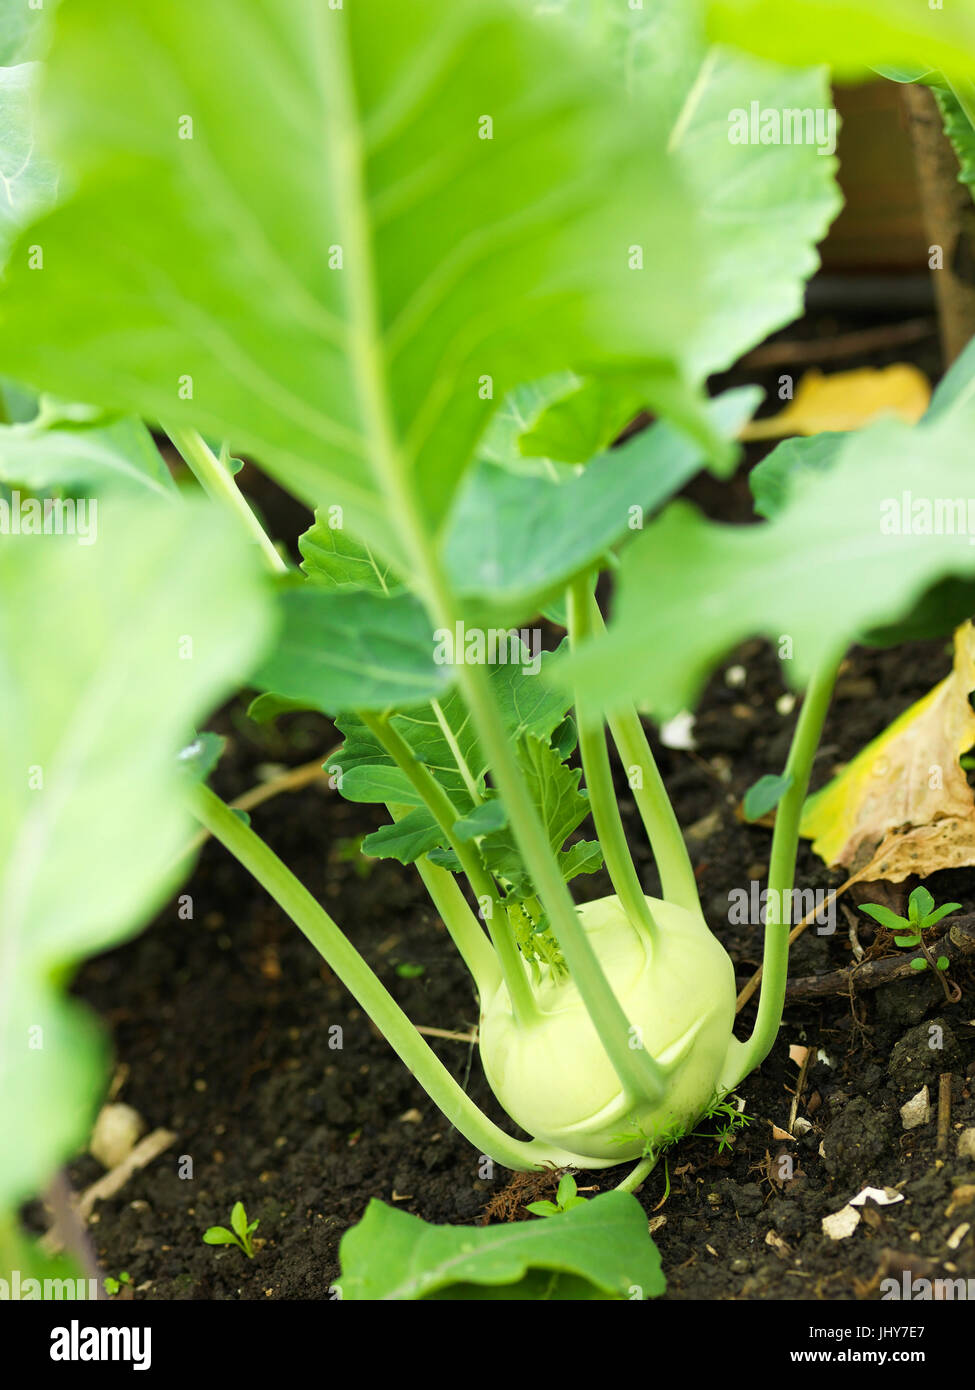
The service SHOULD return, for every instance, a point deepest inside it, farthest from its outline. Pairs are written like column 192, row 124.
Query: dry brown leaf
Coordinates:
column 847, row 401
column 903, row 805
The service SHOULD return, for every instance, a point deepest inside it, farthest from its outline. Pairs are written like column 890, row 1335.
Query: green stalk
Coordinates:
column 218, row 482
column 393, row 472
column 445, row 813
column 677, row 882
column 599, row 780
column 464, row 928
column 342, row 957
column 782, row 866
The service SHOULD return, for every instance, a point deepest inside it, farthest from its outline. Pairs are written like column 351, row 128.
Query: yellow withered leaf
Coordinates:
column 847, row 401
column 903, row 805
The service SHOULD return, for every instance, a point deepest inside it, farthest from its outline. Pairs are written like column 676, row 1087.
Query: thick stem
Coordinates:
column 342, row 957
column 638, row 1175
column 599, row 781
column 444, row 812
column 218, row 482
column 677, row 882
column 782, row 866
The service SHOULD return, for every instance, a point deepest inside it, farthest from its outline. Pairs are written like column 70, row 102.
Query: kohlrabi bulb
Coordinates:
column 553, row 1076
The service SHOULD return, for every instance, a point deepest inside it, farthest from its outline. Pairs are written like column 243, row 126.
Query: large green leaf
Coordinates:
column 851, row 35
column 762, row 207
column 109, row 653
column 350, row 136
column 853, row 548
column 351, row 648
column 334, row 559
column 515, row 539
column 55, row 451
column 602, row 1244
column 27, row 179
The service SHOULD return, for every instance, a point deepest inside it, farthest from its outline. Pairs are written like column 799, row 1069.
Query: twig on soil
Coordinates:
column 68, row 1229
column 291, row 781
column 749, row 989
column 113, row 1181
column 842, row 345
column 958, row 941
column 944, row 1111
column 470, row 1037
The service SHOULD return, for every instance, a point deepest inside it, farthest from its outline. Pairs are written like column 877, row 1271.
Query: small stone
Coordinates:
column 917, row 1111
column 116, row 1133
column 966, row 1144
column 841, row 1224
column 735, row 677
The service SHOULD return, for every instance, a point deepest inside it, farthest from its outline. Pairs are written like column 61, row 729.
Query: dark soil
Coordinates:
column 224, row 1028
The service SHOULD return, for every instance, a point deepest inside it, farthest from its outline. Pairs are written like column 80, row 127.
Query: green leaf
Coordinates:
column 342, row 269
column 919, row 963
column 775, row 480
column 727, row 583
column 764, row 795
column 417, row 833
column 238, row 1219
column 852, row 35
column 584, row 857
column 943, row 962
column 198, row 759
column 28, row 181
column 566, row 1190
column 932, row 917
column 884, row 916
column 490, row 815
column 109, row 655
column 391, row 1255
column 21, row 30
column 542, row 1208
column 52, row 452
column 762, row 207
column 267, row 707
column 912, row 940
column 334, row 559
column 959, row 131
column 342, row 649
column 219, row 1235
column 514, row 540
column 449, row 749
column 919, row 904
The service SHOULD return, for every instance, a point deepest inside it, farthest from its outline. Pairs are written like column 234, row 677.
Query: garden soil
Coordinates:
column 229, row 1030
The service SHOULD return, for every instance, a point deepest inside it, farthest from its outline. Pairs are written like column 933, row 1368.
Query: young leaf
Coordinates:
column 932, row 917
column 238, row 1219
column 919, row 904
column 337, row 650
column 417, row 833
column 219, row 1235
column 490, row 815
column 764, row 795
column 913, row 940
column 919, row 963
column 91, row 782
column 943, row 962
column 430, row 242
column 584, row 857
column 542, row 1208
column 334, row 559
column 391, row 1255
column 884, row 916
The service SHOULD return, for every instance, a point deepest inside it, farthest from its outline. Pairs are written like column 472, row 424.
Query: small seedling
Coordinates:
column 240, row 1234
column 113, row 1286
column 729, row 1121
column 908, row 931
column 566, row 1198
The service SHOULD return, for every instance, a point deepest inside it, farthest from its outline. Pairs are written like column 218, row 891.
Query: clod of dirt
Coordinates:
column 907, row 1001
column 857, row 1143
column 922, row 1054
column 746, row 1198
